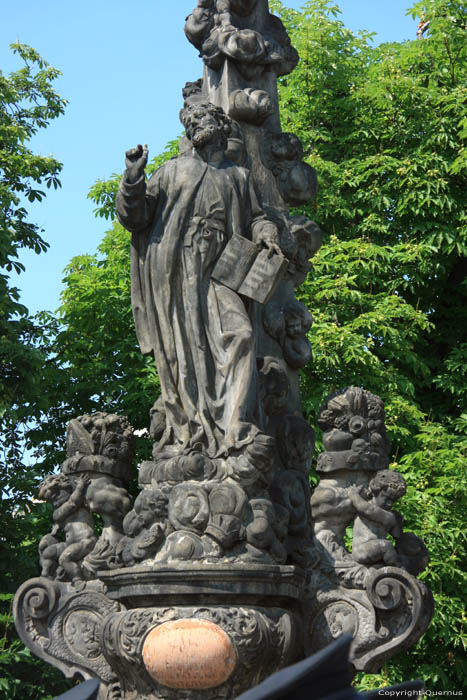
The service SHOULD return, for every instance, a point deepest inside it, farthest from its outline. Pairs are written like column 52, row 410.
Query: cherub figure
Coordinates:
column 297, row 181
column 74, row 519
column 200, row 22
column 224, row 12
column 144, row 527
column 356, row 487
column 297, row 348
column 210, row 13
column 289, row 325
column 223, row 9
column 243, row 31
column 112, row 503
column 308, row 238
column 375, row 519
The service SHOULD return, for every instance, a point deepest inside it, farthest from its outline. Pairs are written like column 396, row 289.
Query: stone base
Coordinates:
column 198, row 652
column 140, row 586
column 145, row 638
column 389, row 615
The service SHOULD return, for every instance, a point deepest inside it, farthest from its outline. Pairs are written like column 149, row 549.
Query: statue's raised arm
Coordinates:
column 135, row 209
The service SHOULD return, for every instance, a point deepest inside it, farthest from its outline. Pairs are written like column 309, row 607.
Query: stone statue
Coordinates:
column 198, row 329
column 64, row 559
column 224, row 567
column 358, row 491
column 375, row 519
column 93, row 480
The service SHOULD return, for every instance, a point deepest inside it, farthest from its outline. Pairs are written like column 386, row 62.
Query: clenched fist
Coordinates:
column 135, row 161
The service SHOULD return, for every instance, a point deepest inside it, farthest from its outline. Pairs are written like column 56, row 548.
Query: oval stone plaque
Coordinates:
column 189, row 654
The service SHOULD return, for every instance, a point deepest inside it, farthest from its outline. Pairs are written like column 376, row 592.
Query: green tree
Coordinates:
column 385, row 129
column 28, row 102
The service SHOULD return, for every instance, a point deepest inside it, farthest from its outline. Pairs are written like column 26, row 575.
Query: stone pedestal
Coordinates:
column 204, row 633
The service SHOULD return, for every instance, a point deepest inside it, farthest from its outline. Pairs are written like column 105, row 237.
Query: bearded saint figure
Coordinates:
column 198, row 330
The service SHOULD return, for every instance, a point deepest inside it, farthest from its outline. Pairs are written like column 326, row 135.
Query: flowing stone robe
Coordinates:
column 198, row 330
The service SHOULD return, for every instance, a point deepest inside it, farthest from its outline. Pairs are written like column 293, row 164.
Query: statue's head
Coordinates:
column 56, row 489
column 293, row 320
column 387, row 486
column 205, row 123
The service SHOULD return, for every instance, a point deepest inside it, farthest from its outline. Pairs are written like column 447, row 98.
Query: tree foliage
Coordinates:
column 385, row 128
column 28, row 102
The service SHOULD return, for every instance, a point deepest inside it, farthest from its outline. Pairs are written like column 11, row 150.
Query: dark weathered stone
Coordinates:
column 93, row 480
column 357, row 488
column 224, row 541
column 369, row 592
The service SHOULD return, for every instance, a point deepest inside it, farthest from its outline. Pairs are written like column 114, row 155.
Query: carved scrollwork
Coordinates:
column 388, row 616
column 289, row 324
column 385, row 588
column 62, row 625
column 404, row 608
column 332, row 621
column 81, row 631
column 34, row 603
column 247, row 628
column 253, row 631
column 76, row 629
column 38, row 598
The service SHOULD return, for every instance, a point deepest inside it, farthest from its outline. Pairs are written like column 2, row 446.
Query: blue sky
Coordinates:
column 124, row 65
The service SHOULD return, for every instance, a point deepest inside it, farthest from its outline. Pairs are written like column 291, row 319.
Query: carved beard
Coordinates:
column 203, row 136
